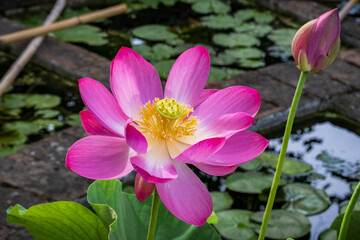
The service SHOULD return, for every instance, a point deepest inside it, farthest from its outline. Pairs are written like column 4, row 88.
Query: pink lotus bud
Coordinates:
column 143, row 189
column 316, row 44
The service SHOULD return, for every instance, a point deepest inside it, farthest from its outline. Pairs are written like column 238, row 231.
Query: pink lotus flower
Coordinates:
column 158, row 134
column 317, row 43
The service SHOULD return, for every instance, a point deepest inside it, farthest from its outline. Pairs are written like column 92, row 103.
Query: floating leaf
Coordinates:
column 325, row 157
column 58, row 221
column 220, row 22
column 154, row 32
column 212, row 219
column 251, row 165
column 222, row 59
column 46, row 113
column 284, row 224
column 244, row 53
column 251, row 63
column 164, row 68
column 12, row 137
column 174, row 41
column 233, row 72
column 133, row 216
column 235, row 40
column 264, row 17
column 282, row 36
column 5, row 151
column 344, row 207
column 277, row 51
column 216, row 74
column 328, row 234
column 87, row 34
column 47, row 124
column 13, row 100
column 221, row 200
column 206, row 6
column 305, row 199
column 290, row 166
column 250, row 182
column 254, row 29
column 156, row 53
column 353, row 231
column 25, row 128
column 73, row 120
column 40, row 101
column 235, row 224
column 245, row 14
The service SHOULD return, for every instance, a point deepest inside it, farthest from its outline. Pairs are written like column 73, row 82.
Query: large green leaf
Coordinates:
column 244, row 53
column 353, row 232
column 250, row 182
column 217, row 74
column 221, row 200
column 133, row 216
column 13, row 100
column 154, row 32
column 156, row 53
column 40, row 101
column 235, row 40
column 305, row 199
column 263, row 17
column 220, row 22
column 235, row 224
column 244, row 14
column 59, row 221
column 164, row 67
column 21, row 127
column 209, row 6
column 284, row 224
column 328, row 234
column 282, row 36
column 344, row 207
column 88, row 34
column 12, row 137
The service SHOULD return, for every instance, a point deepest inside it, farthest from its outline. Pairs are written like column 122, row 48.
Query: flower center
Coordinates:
column 166, row 119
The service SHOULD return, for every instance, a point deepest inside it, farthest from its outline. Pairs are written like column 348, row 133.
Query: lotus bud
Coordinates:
column 317, row 43
column 143, row 189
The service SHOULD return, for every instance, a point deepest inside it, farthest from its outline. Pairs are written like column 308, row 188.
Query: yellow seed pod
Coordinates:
column 170, row 108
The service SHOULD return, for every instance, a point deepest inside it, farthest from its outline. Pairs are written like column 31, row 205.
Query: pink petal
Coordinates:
column 204, row 95
column 201, row 150
column 188, row 76
column 102, row 105
column 134, row 138
column 92, row 126
column 226, row 125
column 99, row 157
column 302, row 39
column 155, row 166
column 143, row 189
column 238, row 149
column 229, row 100
column 216, row 170
column 186, row 197
column 134, row 81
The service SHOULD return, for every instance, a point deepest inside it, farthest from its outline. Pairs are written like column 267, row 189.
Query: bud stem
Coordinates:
column 153, row 215
column 282, row 154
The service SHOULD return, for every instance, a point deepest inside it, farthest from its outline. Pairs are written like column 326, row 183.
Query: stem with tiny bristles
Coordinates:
column 282, row 154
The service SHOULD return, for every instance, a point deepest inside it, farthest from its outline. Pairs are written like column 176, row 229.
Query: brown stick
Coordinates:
column 29, row 33
column 345, row 10
column 29, row 51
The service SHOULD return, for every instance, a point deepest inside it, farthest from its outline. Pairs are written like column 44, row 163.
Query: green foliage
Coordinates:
column 344, row 207
column 250, row 182
column 282, row 36
column 221, row 200
column 107, row 199
column 251, row 63
column 235, row 224
column 164, row 67
column 154, row 32
column 328, row 234
column 234, row 40
column 73, row 120
column 40, row 101
column 244, row 53
column 284, row 224
column 217, row 74
column 59, row 221
column 209, row 6
column 156, row 53
column 87, row 34
column 305, row 199
column 47, row 113
column 222, row 59
column 220, row 21
column 353, row 232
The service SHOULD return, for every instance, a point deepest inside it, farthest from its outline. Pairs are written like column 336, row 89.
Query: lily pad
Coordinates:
column 220, row 21
column 164, row 67
column 325, row 157
column 46, row 113
column 305, row 199
column 235, row 224
column 47, row 124
column 278, row 51
column 206, row 6
column 235, row 40
column 87, row 34
column 233, row 72
column 40, row 101
column 353, row 232
column 154, row 32
column 12, row 137
column 251, row 63
column 25, row 128
column 263, row 17
column 13, row 100
column 244, row 53
column 256, row 30
column 73, row 120
column 284, row 224
column 244, row 14
column 212, row 219
column 250, row 182
column 217, row 74
column 282, row 36
column 222, row 59
column 156, row 53
column 344, row 207
column 221, row 200
column 328, row 234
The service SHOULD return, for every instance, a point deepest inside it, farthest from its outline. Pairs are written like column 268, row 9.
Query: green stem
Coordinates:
column 153, row 216
column 346, row 220
column 282, row 154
